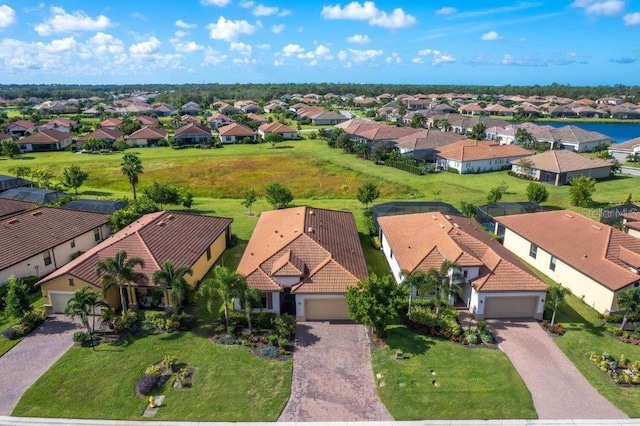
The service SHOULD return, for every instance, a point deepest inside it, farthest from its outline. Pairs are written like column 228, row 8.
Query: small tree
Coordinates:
column 367, row 193
column 468, row 209
column 171, row 279
column 581, row 191
column 494, row 195
column 73, row 177
column 223, row 285
column 556, row 297
column 279, row 196
column 17, row 298
column 162, row 193
column 375, row 302
column 82, row 304
column 629, row 301
column 10, row 149
column 249, row 199
column 131, row 167
column 477, row 131
column 524, row 138
column 416, row 279
column 537, row 193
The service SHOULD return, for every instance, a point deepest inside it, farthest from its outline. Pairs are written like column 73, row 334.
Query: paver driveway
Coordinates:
column 29, row 359
column 558, row 389
column 332, row 375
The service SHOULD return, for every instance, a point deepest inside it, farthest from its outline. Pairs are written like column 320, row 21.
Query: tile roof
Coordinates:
column 473, row 150
column 235, row 129
column 627, row 146
column 30, row 233
column 423, row 240
column 110, row 122
column 193, row 129
column 107, row 134
column 428, row 139
column 574, row 134
column 148, row 133
column 156, row 238
column 322, row 244
column 22, row 123
column 563, row 160
column 9, row 207
column 588, row 246
column 46, row 136
column 276, row 127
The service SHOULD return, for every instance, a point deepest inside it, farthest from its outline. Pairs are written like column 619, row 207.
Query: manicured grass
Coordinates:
column 230, row 383
column 473, row 383
column 6, row 321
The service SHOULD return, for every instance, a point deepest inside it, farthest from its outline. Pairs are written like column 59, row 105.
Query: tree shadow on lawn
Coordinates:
column 573, row 321
column 411, row 343
column 98, row 193
column 171, row 336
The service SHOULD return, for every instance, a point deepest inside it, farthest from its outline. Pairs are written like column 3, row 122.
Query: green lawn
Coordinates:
column 473, row 383
column 6, row 321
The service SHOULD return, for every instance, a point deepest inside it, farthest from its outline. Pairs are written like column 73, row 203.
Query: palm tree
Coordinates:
column 416, row 279
column 223, row 285
column 248, row 296
column 172, row 279
column 556, row 296
column 118, row 270
column 630, row 302
column 131, row 167
column 83, row 303
column 443, row 282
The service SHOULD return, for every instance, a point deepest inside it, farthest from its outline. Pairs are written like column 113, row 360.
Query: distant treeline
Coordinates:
column 178, row 94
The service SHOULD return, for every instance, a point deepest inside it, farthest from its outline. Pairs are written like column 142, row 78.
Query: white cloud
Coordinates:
column 242, row 48
column 438, row 56
column 600, row 7
column 180, row 23
column 262, row 10
column 394, row 58
column 7, row 16
column 213, row 57
column 368, row 11
column 63, row 22
column 180, row 33
column 186, row 47
column 152, row 45
column 320, row 52
column 219, row 3
column 292, row 49
column 246, row 4
column 490, row 36
column 417, row 60
column 245, row 61
column 358, row 39
column 446, row 11
column 103, row 43
column 358, row 56
column 57, row 46
column 632, row 19
column 278, row 62
column 229, row 30
column 263, row 46
column 507, row 59
column 277, row 29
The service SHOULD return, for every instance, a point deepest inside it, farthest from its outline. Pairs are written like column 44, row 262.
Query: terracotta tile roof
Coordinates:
column 472, row 150
column 104, row 134
column 588, row 246
column 110, row 122
column 563, row 160
column 193, row 129
column 30, row 233
column 422, row 241
column 148, row 133
column 256, row 117
column 145, row 120
column 235, row 129
column 322, row 244
column 157, row 237
column 46, row 136
column 9, row 207
column 428, row 139
column 276, row 127
column 22, row 123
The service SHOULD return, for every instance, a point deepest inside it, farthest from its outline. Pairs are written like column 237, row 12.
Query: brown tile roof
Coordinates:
column 145, row 120
column 235, row 129
column 9, row 207
column 472, row 150
column 588, row 246
column 626, row 146
column 156, row 238
column 563, row 160
column 110, row 122
column 30, row 233
column 104, row 134
column 322, row 244
column 276, row 127
column 193, row 128
column 46, row 136
column 256, row 117
column 428, row 139
column 22, row 123
column 148, row 133
column 575, row 134
column 422, row 241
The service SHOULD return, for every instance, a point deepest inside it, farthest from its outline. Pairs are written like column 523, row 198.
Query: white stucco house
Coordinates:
column 472, row 156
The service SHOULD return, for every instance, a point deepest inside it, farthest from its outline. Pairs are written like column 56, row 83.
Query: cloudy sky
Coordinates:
column 405, row 41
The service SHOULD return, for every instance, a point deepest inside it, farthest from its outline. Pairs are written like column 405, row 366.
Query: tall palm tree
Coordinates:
column 556, row 297
column 444, row 282
column 416, row 279
column 630, row 302
column 83, row 303
column 222, row 286
column 172, row 279
column 131, row 167
column 118, row 271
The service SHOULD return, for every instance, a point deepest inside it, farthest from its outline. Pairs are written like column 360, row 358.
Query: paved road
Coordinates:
column 630, row 171
column 29, row 359
column 558, row 389
column 332, row 376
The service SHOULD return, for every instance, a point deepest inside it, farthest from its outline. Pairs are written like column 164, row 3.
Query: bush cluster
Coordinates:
column 555, row 328
column 446, row 326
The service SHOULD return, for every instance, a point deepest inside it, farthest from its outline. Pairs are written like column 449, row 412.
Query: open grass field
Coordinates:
column 473, row 383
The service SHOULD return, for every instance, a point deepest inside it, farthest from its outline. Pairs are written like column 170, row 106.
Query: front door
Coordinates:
column 288, row 302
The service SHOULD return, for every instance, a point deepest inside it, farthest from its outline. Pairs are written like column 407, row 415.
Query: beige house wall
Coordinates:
column 62, row 284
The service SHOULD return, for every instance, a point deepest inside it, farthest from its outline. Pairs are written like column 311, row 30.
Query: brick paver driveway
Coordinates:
column 558, row 389
column 29, row 359
column 332, row 375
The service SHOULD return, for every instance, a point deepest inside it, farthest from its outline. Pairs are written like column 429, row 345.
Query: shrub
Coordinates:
column 285, row 326
column 269, row 352
column 265, row 319
column 487, row 337
column 283, row 342
column 32, row 319
column 482, row 325
column 375, row 241
column 80, row 337
column 126, row 322
column 226, row 340
column 157, row 319
column 153, row 370
column 146, row 383
column 185, row 321
column 272, row 339
column 10, row 333
column 169, row 360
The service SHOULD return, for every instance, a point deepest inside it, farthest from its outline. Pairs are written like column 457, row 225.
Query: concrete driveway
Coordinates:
column 332, row 376
column 29, row 359
column 558, row 389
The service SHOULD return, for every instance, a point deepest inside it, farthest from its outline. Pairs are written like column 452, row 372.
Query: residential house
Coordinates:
column 162, row 109
column 9, row 182
column 4, row 137
column 11, row 207
column 235, row 132
column 472, row 156
column 577, row 139
column 45, row 140
column 373, row 133
column 146, row 120
column 184, row 239
column 60, row 124
column 192, row 134
column 190, row 108
column 495, row 284
column 559, row 166
column 302, row 260
column 595, row 261
column 147, row 136
column 631, row 222
column 277, row 128
column 255, row 117
column 20, row 128
column 187, row 119
column 625, row 111
column 110, row 123
column 106, row 136
column 320, row 116
column 621, row 151
column 218, row 120
column 423, row 144
column 39, row 241
column 609, row 100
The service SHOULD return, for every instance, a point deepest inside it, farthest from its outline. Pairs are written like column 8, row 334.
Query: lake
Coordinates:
column 620, row 132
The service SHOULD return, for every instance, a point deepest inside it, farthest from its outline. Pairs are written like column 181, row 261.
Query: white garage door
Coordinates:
column 59, row 301
column 326, row 309
column 510, row 307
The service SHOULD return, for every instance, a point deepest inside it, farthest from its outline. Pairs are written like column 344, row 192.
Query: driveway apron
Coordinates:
column 29, row 359
column 558, row 389
column 332, row 376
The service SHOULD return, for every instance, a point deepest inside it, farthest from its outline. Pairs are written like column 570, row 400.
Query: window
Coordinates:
column 73, row 243
column 533, row 251
column 465, row 273
column 71, row 282
column 47, row 258
column 552, row 263
column 96, row 234
column 208, row 253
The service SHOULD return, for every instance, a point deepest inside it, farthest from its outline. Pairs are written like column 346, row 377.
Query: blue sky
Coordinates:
column 579, row 42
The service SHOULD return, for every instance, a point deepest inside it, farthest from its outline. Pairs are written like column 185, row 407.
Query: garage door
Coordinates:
column 510, row 307
column 326, row 309
column 59, row 301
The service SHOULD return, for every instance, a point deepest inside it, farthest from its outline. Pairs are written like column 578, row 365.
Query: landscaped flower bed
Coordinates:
column 553, row 328
column 621, row 371
column 156, row 375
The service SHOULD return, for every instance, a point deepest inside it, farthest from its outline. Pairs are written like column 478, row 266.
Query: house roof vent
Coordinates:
column 568, row 215
column 597, row 228
column 310, row 230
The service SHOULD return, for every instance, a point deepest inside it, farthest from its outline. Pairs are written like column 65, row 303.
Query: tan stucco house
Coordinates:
column 559, row 166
